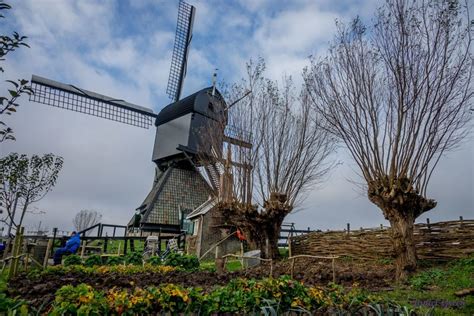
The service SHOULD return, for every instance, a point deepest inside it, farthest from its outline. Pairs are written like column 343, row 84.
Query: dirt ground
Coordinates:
column 41, row 290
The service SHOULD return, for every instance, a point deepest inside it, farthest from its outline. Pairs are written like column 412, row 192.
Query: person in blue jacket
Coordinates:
column 71, row 247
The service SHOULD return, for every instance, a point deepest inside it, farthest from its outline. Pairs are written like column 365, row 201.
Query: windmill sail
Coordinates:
column 182, row 41
column 69, row 97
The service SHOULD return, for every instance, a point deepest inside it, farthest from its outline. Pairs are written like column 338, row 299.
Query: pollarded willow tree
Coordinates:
column 290, row 154
column 397, row 94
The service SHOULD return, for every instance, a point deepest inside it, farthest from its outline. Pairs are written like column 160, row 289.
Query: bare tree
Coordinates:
column 289, row 154
column 85, row 219
column 397, row 95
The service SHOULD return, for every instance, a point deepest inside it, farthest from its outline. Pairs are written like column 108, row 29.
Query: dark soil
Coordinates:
column 40, row 290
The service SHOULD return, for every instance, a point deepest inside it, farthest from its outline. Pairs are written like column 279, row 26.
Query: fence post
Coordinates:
column 83, row 250
column 125, row 242
column 292, row 266
column 55, row 232
column 46, row 254
column 333, row 271
column 428, row 223
column 125, row 246
column 106, row 239
column 348, row 228
column 289, row 247
column 184, row 243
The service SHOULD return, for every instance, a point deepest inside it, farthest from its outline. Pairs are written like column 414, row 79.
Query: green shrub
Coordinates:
column 154, row 260
column 93, row 260
column 134, row 258
column 426, row 278
column 72, row 260
column 113, row 261
column 187, row 262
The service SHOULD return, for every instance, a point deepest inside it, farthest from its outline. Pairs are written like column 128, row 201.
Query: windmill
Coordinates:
column 182, row 131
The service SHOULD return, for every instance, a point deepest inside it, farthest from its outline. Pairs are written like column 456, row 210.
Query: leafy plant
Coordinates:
column 11, row 305
column 134, row 258
column 115, row 260
column 187, row 262
column 426, row 278
column 72, row 260
column 154, row 260
column 93, row 260
column 79, row 300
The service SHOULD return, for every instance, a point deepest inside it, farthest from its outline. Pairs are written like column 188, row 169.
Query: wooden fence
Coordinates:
column 434, row 241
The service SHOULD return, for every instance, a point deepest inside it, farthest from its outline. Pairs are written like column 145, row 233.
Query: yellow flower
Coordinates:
column 297, row 302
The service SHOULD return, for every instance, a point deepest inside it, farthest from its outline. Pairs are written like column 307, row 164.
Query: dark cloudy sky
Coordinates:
column 123, row 49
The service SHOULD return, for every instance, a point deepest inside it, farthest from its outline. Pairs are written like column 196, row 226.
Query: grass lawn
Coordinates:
column 232, row 265
column 433, row 289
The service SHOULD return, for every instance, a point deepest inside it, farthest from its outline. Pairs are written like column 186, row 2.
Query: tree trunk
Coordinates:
column 403, row 243
column 268, row 243
column 401, row 204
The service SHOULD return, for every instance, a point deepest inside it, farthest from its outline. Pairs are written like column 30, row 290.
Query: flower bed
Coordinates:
column 239, row 296
column 120, row 269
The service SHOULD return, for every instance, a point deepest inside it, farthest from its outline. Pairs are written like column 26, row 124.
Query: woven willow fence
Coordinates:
column 435, row 241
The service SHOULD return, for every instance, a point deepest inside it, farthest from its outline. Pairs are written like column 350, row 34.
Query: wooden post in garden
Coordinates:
column 333, row 271
column 220, row 262
column 125, row 242
column 106, row 239
column 83, row 248
column 290, row 252
column 125, row 246
column 27, row 255
column 159, row 242
column 46, row 254
column 55, row 231
column 292, row 266
column 242, row 254
column 16, row 252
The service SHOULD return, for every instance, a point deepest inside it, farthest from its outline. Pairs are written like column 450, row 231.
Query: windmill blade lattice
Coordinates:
column 180, row 50
column 68, row 97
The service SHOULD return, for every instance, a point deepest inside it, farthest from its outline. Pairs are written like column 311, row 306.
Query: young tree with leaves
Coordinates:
column 24, row 181
column 397, row 94
column 8, row 104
